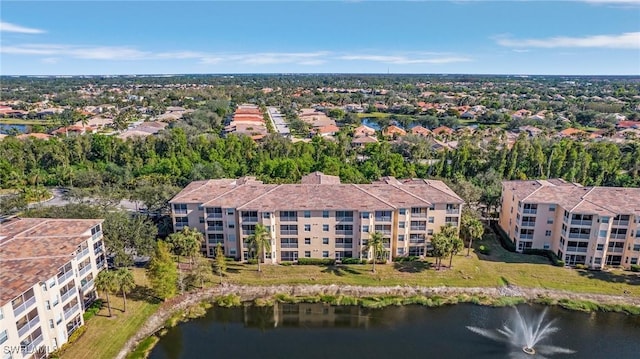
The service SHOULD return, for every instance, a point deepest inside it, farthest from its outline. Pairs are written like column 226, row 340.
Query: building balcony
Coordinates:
column 384, row 231
column 289, row 245
column 288, row 219
column 526, row 236
column 62, row 279
column 529, row 211
column 577, row 249
column 96, row 236
column 84, row 270
column 618, row 236
column 215, row 228
column 451, row 223
column 528, row 224
column 289, row 232
column 249, row 219
column 344, row 245
column 28, row 348
column 70, row 293
column 180, row 211
column 81, row 255
column 28, row 326
column 578, row 222
column 100, row 265
column 579, row 236
column 68, row 313
column 345, row 232
column 24, row 306
column 420, row 215
column 344, row 219
column 417, row 241
column 88, row 285
column 453, row 210
column 98, row 250
column 621, row 223
column 214, row 215
column 383, row 219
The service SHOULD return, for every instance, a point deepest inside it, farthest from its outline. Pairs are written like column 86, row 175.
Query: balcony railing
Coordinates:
column 526, row 236
column 96, row 235
column 288, row 219
column 288, row 245
column 384, row 231
column 620, row 222
column 453, row 210
column 528, row 224
column 383, row 218
column 249, row 219
column 215, row 228
column 451, row 223
column 577, row 249
column 248, row 232
column 344, row 245
column 344, row 232
column 73, row 329
column 32, row 347
column 71, row 311
column 417, row 241
column 87, row 285
column 62, row 279
column 98, row 250
column 530, row 211
column 579, row 235
column 84, row 270
column 615, row 249
column 71, row 292
column 578, row 222
column 419, row 215
column 28, row 326
column 100, row 265
column 82, row 254
column 288, row 232
column 344, row 219
column 618, row 236
column 214, row 215
column 418, row 228
column 24, row 306
column 180, row 211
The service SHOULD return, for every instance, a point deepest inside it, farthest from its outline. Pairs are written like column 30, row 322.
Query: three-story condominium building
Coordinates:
column 47, row 272
column 318, row 218
column 594, row 226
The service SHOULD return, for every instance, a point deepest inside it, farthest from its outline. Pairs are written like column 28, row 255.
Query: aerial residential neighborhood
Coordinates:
column 450, row 179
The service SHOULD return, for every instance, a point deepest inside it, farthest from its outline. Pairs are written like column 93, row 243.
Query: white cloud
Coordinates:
column 628, row 40
column 8, row 27
column 405, row 60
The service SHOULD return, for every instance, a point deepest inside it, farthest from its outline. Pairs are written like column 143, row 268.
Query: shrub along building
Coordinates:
column 593, row 226
column 318, row 218
column 47, row 272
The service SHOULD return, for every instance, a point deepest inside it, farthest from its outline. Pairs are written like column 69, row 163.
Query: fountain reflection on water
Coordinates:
column 525, row 336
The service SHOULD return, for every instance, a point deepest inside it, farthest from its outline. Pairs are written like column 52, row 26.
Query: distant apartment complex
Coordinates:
column 594, row 226
column 47, row 272
column 318, row 218
column 248, row 120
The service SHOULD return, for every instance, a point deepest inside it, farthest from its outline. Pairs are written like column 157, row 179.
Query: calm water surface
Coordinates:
column 317, row 331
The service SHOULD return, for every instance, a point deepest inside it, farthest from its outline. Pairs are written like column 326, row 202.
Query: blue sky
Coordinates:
column 591, row 37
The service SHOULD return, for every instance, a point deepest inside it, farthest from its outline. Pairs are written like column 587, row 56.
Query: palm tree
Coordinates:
column 125, row 282
column 474, row 230
column 259, row 242
column 106, row 283
column 376, row 245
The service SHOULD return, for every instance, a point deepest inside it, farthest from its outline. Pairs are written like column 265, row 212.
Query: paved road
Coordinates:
column 59, row 200
column 278, row 122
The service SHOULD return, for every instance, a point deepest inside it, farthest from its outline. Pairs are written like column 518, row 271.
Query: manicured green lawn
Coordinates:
column 499, row 268
column 106, row 336
column 19, row 121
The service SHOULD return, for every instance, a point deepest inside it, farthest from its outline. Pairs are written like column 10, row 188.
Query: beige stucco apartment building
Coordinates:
column 47, row 272
column 318, row 218
column 594, row 226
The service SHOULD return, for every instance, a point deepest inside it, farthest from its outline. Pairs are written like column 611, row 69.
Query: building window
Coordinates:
column 552, row 208
column 266, row 215
column 180, row 208
column 3, row 336
column 401, row 237
column 430, row 231
column 430, row 219
column 307, row 228
column 547, row 233
column 182, row 221
column 307, row 214
column 288, row 256
column 288, row 242
column 231, row 225
column 400, row 251
column 325, row 240
column 288, row 216
column 325, row 254
column 364, row 215
column 403, row 211
column 307, row 241
column 546, row 246
column 365, row 229
column 634, row 260
column 402, row 224
column 51, row 325
column 325, row 228
column 636, row 248
column 549, row 220
column 201, row 219
column 602, row 233
column 325, row 214
column 307, row 254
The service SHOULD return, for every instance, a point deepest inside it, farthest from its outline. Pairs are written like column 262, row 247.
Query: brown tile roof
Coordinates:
column 442, row 129
column 394, row 130
column 33, row 250
column 419, row 130
column 572, row 196
column 365, row 139
column 317, row 191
